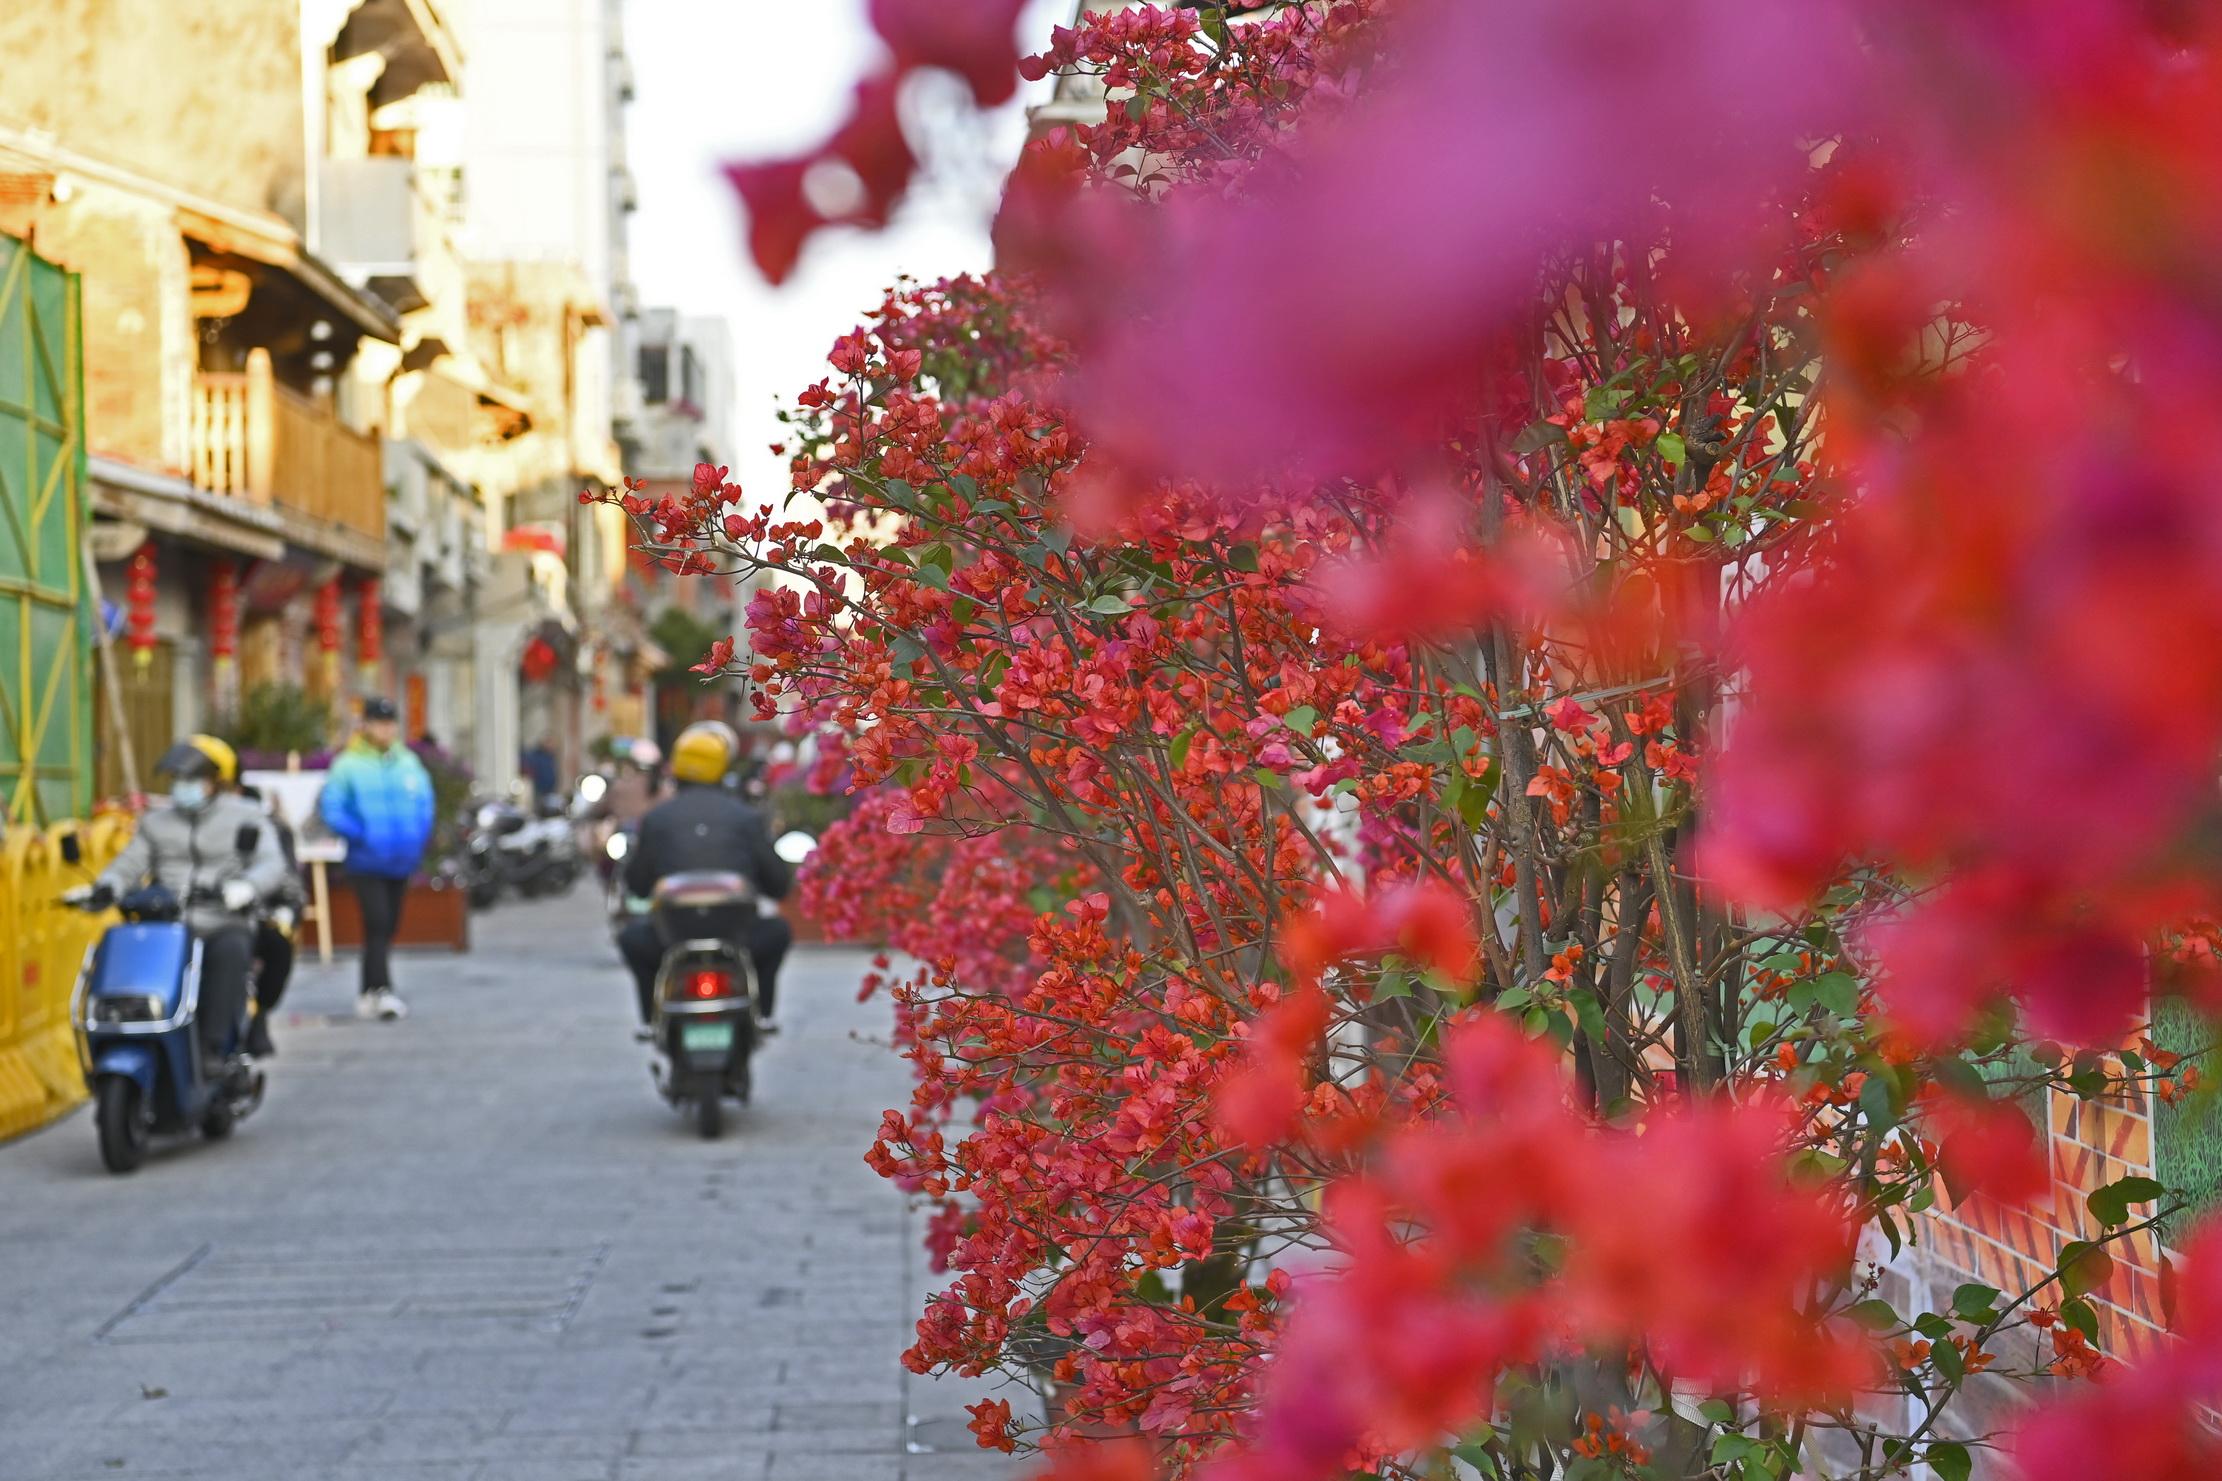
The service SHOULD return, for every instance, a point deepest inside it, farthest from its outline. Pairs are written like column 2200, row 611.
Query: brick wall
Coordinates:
column 2092, row 1143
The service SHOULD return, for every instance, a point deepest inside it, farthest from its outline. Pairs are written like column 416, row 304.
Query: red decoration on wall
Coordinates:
column 539, row 661
column 327, row 629
column 223, row 613
column 139, row 607
column 370, row 630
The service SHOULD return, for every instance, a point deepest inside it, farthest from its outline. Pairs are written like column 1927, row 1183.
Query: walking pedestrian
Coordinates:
column 379, row 800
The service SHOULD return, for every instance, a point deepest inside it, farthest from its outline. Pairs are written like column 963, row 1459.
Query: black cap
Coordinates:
column 378, row 707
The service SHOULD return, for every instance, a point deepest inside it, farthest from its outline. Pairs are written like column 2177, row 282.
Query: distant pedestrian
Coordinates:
column 379, row 799
column 538, row 763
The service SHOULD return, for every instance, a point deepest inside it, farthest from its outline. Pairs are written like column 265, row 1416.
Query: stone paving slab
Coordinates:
column 474, row 1246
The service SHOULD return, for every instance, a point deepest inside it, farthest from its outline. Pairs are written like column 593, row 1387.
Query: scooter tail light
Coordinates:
column 709, row 983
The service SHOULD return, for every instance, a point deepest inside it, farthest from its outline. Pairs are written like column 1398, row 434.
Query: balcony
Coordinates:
column 256, row 440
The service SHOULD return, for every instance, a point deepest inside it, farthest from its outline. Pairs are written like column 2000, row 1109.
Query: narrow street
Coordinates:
column 475, row 1246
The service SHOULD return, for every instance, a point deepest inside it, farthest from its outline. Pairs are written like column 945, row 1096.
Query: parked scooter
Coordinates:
column 509, row 849
column 135, row 1011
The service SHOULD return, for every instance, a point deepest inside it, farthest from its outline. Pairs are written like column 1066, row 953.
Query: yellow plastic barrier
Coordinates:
column 42, row 946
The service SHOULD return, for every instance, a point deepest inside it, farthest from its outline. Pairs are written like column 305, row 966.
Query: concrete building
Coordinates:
column 685, row 374
column 546, row 207
column 164, row 154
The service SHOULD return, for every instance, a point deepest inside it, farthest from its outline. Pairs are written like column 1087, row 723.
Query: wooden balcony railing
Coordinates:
column 260, row 441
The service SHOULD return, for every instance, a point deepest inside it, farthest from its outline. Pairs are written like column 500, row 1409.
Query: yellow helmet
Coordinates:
column 196, row 751
column 703, row 753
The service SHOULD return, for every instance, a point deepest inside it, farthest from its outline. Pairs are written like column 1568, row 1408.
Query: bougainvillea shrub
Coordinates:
column 1515, row 679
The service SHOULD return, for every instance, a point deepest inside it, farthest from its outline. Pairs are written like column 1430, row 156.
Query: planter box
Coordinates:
column 432, row 918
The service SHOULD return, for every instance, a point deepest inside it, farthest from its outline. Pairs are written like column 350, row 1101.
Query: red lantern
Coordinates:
column 327, row 629
column 539, row 661
column 223, row 614
column 139, row 607
column 370, row 625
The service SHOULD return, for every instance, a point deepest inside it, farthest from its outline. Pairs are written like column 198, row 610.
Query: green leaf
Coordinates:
column 1538, row 437
column 2110, row 1204
column 1137, row 107
column 1111, row 605
column 1476, row 1454
column 1718, row 1411
column 1243, row 558
column 1672, row 449
column 1733, row 1447
column 1976, row 1303
column 2082, row 1316
column 1602, row 402
column 1395, row 982
column 2084, row 1267
column 1213, row 20
column 1950, row 1460
column 1181, row 743
column 906, row 649
column 1474, row 800
column 1950, row 1365
column 1302, row 719
column 1876, row 1315
column 1877, row 1103
column 1587, row 1013
column 1057, row 538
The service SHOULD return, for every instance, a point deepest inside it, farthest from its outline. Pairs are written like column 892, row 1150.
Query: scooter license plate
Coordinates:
column 706, row 1038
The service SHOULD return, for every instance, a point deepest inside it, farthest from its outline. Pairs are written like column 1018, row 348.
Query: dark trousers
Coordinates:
column 380, row 899
column 642, row 946
column 226, row 957
column 274, row 966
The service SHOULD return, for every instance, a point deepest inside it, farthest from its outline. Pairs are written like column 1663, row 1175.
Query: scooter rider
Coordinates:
column 190, row 846
column 703, row 826
column 274, row 932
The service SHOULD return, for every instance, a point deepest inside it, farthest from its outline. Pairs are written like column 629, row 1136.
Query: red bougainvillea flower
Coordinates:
column 976, row 39
column 1987, row 1146
column 2149, row 1419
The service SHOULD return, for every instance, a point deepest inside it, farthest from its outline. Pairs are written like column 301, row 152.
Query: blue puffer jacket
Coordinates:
column 381, row 803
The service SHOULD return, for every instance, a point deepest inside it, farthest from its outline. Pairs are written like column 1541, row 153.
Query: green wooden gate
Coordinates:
column 45, row 609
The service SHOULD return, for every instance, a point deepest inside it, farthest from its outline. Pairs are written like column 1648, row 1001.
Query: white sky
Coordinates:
column 741, row 79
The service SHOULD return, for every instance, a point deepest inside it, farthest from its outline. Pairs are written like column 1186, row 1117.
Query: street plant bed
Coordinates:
column 431, row 916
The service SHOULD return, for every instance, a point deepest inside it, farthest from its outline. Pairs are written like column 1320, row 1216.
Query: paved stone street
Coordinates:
column 476, row 1246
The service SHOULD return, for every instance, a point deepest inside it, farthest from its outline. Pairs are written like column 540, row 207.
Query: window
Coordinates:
column 655, row 374
column 690, row 376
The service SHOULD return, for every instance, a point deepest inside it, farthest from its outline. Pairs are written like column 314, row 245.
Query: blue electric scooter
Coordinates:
column 136, row 1011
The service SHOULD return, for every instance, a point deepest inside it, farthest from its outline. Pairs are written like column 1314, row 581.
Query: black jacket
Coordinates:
column 705, row 828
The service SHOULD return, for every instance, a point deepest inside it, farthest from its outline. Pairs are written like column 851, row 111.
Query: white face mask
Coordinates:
column 189, row 793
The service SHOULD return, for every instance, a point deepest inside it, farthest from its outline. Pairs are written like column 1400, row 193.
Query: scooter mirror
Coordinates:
column 73, row 852
column 795, row 847
column 248, row 839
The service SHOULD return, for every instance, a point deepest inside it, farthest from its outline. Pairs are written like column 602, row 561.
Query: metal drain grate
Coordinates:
column 217, row 1294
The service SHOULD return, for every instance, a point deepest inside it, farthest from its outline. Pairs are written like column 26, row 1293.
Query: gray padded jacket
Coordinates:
column 188, row 851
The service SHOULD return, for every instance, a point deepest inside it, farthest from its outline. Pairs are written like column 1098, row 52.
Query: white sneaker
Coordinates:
column 366, row 1005
column 390, row 1005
